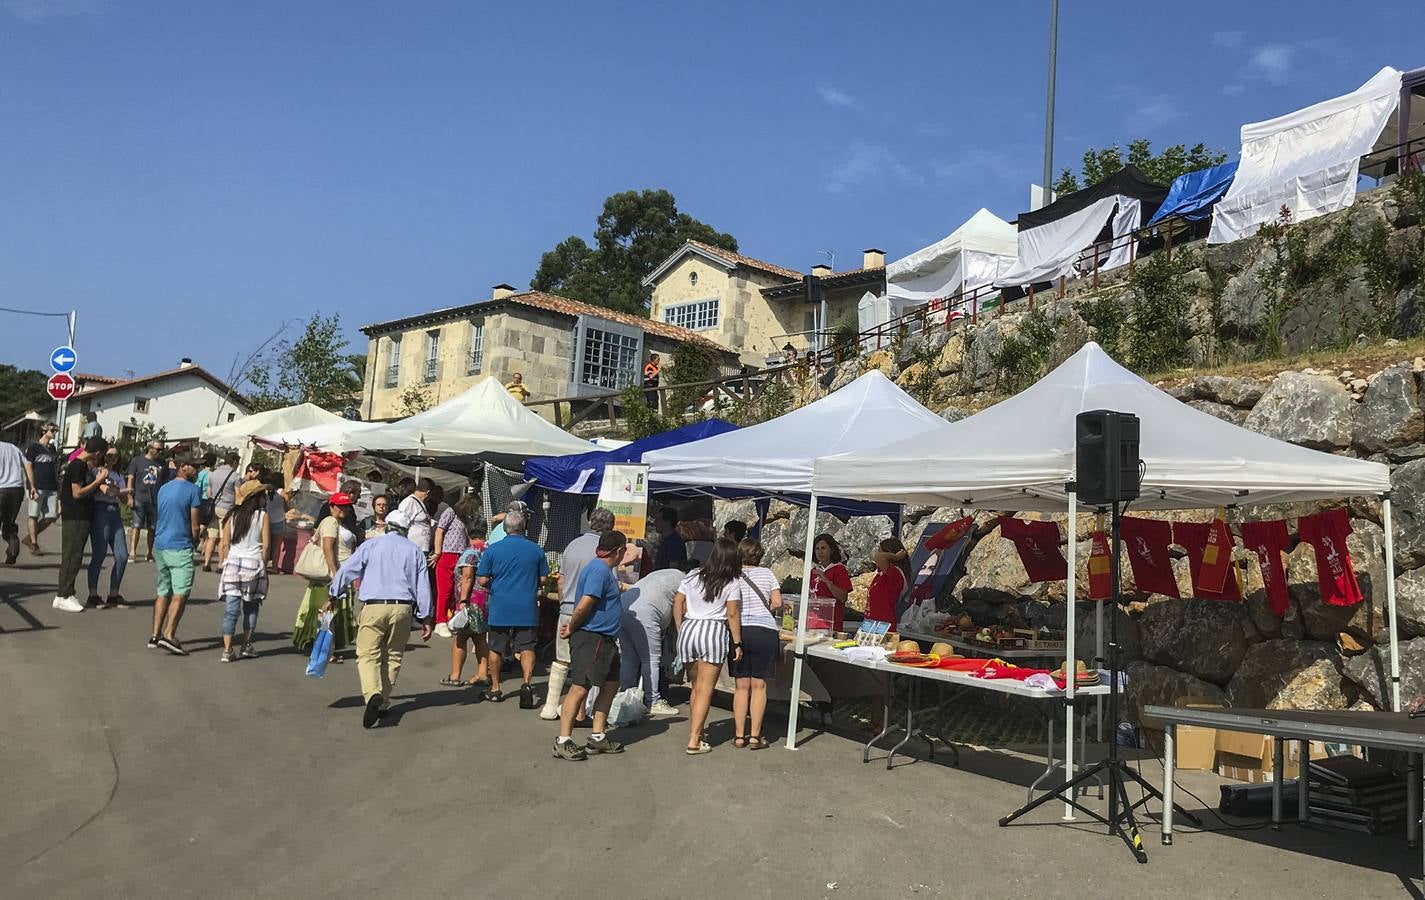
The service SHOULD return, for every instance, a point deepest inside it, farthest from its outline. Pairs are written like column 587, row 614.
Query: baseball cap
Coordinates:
column 399, row 520
column 340, row 499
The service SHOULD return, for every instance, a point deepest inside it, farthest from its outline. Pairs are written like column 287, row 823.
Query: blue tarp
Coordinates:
column 1192, row 195
column 561, row 473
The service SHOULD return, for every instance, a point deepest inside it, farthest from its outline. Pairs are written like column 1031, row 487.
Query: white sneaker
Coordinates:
column 442, row 630
column 661, row 707
column 68, row 604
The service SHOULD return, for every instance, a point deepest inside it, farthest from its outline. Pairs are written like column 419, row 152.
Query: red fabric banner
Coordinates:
column 1269, row 541
column 1326, row 532
column 946, row 537
column 1147, row 541
column 1217, row 556
column 1038, row 546
column 1193, row 537
column 323, row 469
column 1100, row 568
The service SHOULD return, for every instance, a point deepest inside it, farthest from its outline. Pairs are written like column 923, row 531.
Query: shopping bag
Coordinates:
column 628, row 707
column 321, row 648
column 312, row 563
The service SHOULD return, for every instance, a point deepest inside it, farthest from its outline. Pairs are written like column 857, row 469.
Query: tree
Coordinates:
column 414, row 399
column 636, row 231
column 313, row 369
column 1160, row 167
column 21, row 390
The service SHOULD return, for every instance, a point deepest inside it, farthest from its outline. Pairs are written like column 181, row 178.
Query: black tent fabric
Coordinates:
column 1127, row 181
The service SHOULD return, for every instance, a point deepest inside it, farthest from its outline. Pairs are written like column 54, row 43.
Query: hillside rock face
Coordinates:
column 1311, row 410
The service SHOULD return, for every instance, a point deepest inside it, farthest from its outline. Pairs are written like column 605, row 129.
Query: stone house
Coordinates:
column 754, row 308
column 562, row 348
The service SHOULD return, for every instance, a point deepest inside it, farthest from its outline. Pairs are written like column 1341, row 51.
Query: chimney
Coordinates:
column 185, row 363
column 501, row 291
column 821, row 270
column 873, row 258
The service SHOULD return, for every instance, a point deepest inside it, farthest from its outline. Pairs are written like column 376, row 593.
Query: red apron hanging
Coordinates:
column 1193, row 537
column 946, row 537
column 1269, row 541
column 1100, row 566
column 1038, row 546
column 1326, row 532
column 1147, row 541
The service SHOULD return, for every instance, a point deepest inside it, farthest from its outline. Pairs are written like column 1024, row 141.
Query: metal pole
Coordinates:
column 62, row 409
column 1070, row 666
column 1390, row 608
column 799, row 646
column 1049, row 112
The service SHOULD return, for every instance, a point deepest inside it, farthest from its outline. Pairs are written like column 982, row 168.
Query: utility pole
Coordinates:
column 63, row 407
column 1049, row 112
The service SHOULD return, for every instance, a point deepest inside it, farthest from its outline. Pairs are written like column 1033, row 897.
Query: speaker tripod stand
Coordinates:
column 1113, row 771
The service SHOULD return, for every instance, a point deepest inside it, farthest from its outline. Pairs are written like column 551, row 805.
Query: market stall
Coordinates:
column 1192, row 195
column 239, row 432
column 1019, row 455
column 583, row 473
column 972, row 256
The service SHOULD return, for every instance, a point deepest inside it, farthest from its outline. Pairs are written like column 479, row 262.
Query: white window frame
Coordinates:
column 592, row 335
column 142, row 405
column 432, row 370
column 393, row 361
column 475, row 358
column 695, row 315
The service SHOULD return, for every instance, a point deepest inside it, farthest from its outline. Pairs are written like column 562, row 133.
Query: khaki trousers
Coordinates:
column 381, row 633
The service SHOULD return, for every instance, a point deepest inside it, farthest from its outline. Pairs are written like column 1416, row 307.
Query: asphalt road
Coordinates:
column 127, row 772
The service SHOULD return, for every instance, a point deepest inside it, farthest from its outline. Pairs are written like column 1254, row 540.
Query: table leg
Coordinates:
column 1277, row 767
column 1303, row 811
column 1050, row 762
column 885, row 720
column 912, row 697
column 1170, row 737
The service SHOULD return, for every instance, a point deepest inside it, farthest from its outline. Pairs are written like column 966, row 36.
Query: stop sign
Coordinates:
column 60, row 386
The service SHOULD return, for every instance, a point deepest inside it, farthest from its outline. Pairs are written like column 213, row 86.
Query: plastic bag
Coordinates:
column 321, row 647
column 628, row 707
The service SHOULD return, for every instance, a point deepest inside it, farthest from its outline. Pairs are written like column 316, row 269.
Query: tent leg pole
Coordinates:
column 1070, row 670
column 794, row 702
column 1098, row 659
column 1390, row 604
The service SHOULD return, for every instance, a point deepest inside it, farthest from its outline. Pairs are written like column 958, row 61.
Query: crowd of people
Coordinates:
column 382, row 560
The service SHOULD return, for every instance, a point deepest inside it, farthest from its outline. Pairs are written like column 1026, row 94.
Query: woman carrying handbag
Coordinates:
column 329, row 548
column 759, row 601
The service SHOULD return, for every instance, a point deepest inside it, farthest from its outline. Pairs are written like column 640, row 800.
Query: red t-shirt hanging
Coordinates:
column 1326, row 532
column 1038, row 546
column 886, row 589
column 835, row 574
column 1192, row 537
column 1147, row 541
column 1269, row 541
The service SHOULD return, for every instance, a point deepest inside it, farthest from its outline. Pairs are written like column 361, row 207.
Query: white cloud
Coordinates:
column 869, row 162
column 832, row 96
column 36, row 12
column 1272, row 62
column 1234, row 89
column 1228, row 40
column 975, row 163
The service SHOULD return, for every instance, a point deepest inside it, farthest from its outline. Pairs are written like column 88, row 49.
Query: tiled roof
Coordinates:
column 197, row 370
column 749, row 262
column 95, row 379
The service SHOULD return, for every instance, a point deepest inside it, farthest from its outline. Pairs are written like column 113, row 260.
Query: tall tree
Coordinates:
column 21, row 390
column 636, row 231
column 1162, row 167
column 315, row 368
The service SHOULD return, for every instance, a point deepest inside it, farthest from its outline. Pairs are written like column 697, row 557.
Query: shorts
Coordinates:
column 594, row 658
column 703, row 640
column 215, row 524
column 761, row 650
column 507, row 640
column 45, row 507
column 561, row 644
column 175, row 572
column 145, row 514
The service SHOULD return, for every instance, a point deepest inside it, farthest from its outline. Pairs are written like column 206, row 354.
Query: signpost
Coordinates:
column 60, row 387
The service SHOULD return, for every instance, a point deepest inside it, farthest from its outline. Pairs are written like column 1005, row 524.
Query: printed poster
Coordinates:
column 625, row 494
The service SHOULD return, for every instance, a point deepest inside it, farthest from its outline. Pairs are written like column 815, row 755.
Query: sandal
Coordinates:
column 757, row 742
column 700, row 749
column 447, row 681
column 739, row 742
column 495, row 696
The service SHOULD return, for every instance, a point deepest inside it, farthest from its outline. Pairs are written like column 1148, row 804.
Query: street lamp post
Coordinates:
column 1049, row 112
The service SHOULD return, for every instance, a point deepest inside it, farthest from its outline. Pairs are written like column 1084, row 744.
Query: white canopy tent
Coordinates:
column 272, row 422
column 1306, row 160
column 976, row 254
column 333, row 437
column 1019, row 455
column 485, row 421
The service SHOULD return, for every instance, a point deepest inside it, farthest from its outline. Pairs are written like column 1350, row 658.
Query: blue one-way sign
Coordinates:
column 63, row 359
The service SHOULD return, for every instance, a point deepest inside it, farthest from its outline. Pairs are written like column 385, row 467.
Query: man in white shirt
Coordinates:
column 16, row 480
column 413, row 508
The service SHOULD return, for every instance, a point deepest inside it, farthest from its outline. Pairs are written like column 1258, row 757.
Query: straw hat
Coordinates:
column 247, row 489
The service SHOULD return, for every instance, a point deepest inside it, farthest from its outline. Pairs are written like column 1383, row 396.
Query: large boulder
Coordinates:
column 952, row 356
column 1233, row 414
column 1390, row 414
column 1130, row 640
column 859, row 538
column 1153, row 685
column 1410, row 603
column 846, row 373
column 1371, row 672
column 1318, row 686
column 1205, row 638
column 983, row 344
column 1311, row 410
column 1270, row 666
column 1408, row 509
column 994, row 573
column 1240, row 392
column 954, row 414
column 796, row 529
column 925, row 345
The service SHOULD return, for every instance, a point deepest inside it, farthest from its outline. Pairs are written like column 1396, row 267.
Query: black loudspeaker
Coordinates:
column 1107, row 446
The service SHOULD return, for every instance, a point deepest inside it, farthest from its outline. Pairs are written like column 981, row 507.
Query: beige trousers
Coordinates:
column 381, row 633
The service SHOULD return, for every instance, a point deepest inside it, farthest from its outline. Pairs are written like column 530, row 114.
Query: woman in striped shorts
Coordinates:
column 700, row 612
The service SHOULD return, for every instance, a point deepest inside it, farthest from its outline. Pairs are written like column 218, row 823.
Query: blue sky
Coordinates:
column 188, row 176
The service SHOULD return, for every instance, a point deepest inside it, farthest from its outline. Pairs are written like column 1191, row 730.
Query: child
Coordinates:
column 474, row 597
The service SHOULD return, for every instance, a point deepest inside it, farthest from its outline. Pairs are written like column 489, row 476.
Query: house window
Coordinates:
column 693, row 278
column 432, row 355
column 699, row 315
column 393, row 362
column 608, row 358
column 475, row 360
column 128, row 432
column 141, row 405
column 232, row 416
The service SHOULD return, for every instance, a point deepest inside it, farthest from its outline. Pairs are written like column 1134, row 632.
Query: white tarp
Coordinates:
column 483, row 420
column 777, row 455
column 1018, row 455
column 973, row 255
column 1050, row 250
column 1307, row 160
column 272, row 422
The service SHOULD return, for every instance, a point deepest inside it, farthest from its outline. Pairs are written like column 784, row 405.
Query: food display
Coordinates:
column 915, row 658
column 1011, row 636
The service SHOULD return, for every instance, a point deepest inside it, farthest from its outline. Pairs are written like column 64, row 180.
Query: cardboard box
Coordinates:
column 1196, row 746
column 1258, row 769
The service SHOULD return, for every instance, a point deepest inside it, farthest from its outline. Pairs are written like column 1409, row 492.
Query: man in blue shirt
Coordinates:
column 592, row 632
column 511, row 571
column 175, row 528
column 394, row 584
column 672, row 551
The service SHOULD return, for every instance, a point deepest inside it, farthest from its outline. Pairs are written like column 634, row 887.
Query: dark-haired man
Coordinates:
column 671, row 549
column 176, row 527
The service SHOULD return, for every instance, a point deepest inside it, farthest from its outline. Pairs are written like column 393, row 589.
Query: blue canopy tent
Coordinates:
column 1192, row 195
